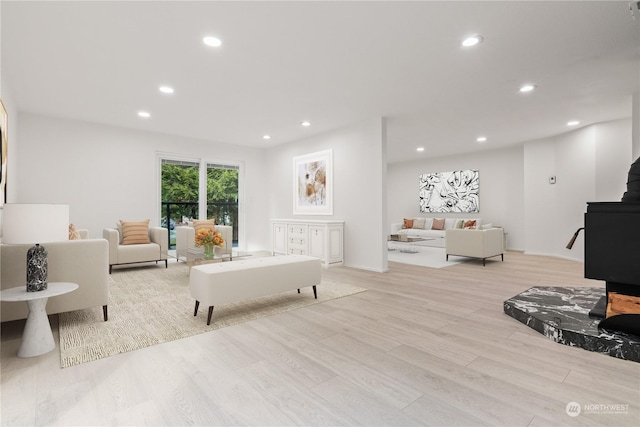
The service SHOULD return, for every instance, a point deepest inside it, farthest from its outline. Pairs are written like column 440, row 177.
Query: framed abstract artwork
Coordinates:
column 4, row 146
column 456, row 191
column 313, row 184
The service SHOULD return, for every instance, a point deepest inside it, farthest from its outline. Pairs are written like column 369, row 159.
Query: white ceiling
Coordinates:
column 332, row 63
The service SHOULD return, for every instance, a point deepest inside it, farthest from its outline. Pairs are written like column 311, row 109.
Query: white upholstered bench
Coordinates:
column 226, row 282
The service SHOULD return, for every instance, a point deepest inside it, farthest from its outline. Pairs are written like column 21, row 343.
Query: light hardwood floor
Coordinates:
column 421, row 347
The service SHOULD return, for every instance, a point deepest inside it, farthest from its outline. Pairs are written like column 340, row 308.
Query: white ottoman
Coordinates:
column 222, row 283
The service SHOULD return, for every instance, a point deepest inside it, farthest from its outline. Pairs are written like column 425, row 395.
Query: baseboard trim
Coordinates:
column 554, row 256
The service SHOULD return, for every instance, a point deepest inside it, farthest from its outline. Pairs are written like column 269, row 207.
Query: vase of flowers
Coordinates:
column 208, row 238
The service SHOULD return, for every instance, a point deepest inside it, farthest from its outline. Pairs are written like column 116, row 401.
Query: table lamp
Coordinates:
column 35, row 224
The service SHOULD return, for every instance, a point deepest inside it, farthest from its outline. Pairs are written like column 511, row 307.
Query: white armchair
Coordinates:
column 156, row 250
column 185, row 240
column 475, row 243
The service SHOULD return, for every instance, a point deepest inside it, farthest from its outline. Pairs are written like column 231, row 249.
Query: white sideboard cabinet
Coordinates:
column 317, row 238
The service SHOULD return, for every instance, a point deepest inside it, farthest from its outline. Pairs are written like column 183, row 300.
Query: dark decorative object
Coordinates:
column 37, row 269
column 611, row 251
column 26, row 224
column 562, row 315
column 632, row 195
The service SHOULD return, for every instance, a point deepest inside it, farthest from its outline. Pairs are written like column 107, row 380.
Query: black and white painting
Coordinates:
column 455, row 191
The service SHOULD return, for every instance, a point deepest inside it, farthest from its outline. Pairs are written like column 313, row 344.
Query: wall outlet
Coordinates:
column 552, row 179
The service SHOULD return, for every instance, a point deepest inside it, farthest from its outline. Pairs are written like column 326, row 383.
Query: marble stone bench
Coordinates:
column 227, row 282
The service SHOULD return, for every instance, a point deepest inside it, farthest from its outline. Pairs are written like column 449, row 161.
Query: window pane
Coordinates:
column 222, row 196
column 179, row 194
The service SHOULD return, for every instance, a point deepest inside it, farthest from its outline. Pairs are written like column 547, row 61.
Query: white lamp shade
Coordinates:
column 34, row 223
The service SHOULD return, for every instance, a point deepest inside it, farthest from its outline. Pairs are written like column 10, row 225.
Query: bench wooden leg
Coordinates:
column 315, row 294
column 209, row 316
column 195, row 311
column 104, row 313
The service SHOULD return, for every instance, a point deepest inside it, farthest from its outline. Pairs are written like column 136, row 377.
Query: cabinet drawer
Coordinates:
column 297, row 230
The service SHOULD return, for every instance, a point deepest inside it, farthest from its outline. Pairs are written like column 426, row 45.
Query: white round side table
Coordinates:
column 37, row 337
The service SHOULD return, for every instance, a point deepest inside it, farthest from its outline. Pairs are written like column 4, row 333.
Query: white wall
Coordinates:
column 501, row 183
column 359, row 158
column 613, row 158
column 590, row 164
column 106, row 173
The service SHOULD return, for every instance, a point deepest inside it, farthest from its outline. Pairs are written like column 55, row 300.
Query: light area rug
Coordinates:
column 152, row 305
column 425, row 256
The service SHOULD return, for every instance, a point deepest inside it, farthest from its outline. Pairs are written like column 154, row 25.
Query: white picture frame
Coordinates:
column 313, row 184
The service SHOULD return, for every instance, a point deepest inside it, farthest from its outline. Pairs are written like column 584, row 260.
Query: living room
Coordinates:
column 106, row 172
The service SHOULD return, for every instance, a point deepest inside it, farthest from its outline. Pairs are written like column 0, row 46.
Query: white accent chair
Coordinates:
column 481, row 244
column 185, row 240
column 120, row 254
column 81, row 261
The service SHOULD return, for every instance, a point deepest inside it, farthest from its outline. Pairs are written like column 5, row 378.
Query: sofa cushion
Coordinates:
column 470, row 224
column 459, row 224
column 407, row 223
column 449, row 223
column 199, row 224
column 438, row 224
column 418, row 223
column 135, row 232
column 428, row 223
column 73, row 233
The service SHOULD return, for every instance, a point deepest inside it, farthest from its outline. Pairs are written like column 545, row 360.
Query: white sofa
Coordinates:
column 185, row 240
column 423, row 228
column 481, row 244
column 120, row 254
column 84, row 262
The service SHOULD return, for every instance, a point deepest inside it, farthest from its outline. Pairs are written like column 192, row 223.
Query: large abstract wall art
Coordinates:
column 455, row 191
column 313, row 184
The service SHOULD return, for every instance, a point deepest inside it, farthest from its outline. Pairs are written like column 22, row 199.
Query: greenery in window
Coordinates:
column 180, row 189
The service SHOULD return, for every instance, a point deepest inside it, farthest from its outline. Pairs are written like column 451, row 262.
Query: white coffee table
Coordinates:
column 37, row 337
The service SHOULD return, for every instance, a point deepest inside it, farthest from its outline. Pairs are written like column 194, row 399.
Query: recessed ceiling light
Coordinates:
column 527, row 88
column 212, row 41
column 481, row 139
column 266, row 137
column 144, row 114
column 419, row 149
column 573, row 123
column 472, row 41
column 166, row 89
column 305, row 123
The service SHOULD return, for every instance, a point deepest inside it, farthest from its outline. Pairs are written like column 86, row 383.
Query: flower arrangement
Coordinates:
column 208, row 236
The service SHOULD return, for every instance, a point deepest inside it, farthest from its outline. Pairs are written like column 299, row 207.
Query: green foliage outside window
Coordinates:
column 180, row 189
